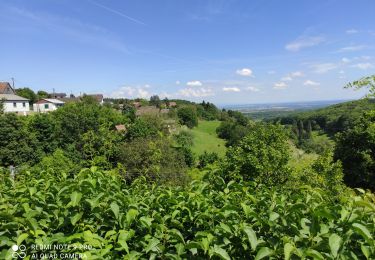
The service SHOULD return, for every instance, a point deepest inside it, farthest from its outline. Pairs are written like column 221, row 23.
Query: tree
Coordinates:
column 1, row 106
column 188, row 116
column 42, row 94
column 355, row 149
column 129, row 111
column 261, row 156
column 27, row 93
column 155, row 101
column 153, row 158
column 365, row 82
column 18, row 146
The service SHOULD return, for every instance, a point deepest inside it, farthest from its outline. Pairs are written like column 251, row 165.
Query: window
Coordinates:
column 14, row 104
column 45, row 106
column 24, row 104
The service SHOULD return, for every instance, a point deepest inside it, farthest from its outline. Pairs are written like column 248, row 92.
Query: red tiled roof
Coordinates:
column 4, row 86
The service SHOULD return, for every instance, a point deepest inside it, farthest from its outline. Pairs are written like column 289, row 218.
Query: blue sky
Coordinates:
column 226, row 52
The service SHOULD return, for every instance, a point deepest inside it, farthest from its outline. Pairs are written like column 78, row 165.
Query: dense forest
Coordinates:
column 110, row 183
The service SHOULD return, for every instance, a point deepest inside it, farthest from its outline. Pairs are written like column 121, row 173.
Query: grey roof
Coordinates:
column 11, row 97
column 52, row 100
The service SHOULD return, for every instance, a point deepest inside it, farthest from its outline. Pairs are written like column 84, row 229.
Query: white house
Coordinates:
column 12, row 102
column 47, row 105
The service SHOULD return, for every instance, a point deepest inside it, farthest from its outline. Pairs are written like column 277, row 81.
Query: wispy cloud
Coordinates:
column 323, row 67
column 74, row 29
column 352, row 48
column 311, row 83
column 231, row 89
column 304, row 42
column 116, row 12
column 363, row 66
column 280, row 85
column 292, row 75
column 194, row 83
column 252, row 89
column 195, row 92
column 131, row 92
column 351, row 31
column 244, row 72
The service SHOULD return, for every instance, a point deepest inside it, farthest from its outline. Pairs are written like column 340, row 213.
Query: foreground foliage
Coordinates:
column 208, row 218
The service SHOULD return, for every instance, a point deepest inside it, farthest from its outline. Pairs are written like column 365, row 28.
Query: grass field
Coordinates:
column 205, row 138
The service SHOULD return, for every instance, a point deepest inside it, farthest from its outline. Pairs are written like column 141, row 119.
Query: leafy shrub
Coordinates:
column 207, row 158
column 100, row 217
column 262, row 156
column 355, row 149
column 188, row 116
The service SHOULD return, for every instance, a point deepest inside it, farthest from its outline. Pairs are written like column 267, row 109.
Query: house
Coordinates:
column 47, row 105
column 137, row 104
column 5, row 88
column 120, row 128
column 57, row 95
column 12, row 102
column 172, row 104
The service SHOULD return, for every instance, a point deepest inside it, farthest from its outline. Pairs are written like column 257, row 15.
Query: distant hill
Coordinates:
column 331, row 119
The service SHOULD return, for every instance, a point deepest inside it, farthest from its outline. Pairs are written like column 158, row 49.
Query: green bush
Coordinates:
column 262, row 156
column 99, row 216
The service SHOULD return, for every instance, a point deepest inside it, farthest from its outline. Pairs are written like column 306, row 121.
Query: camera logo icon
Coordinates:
column 19, row 251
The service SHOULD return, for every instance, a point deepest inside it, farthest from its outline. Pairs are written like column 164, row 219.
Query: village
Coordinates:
column 15, row 103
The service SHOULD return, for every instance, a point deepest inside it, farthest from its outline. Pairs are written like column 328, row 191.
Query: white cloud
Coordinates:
column 194, row 83
column 178, row 82
column 342, row 72
column 311, row 83
column 345, row 60
column 351, row 31
column 280, row 85
column 253, row 89
column 231, row 89
column 323, row 67
column 196, row 92
column 131, row 92
column 363, row 66
column 271, row 72
column 304, row 42
column 352, row 48
column 287, row 78
column 292, row 75
column 245, row 72
column 296, row 74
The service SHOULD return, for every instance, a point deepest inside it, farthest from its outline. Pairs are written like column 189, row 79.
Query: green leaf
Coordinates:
column 222, row 253
column 365, row 251
column 152, row 244
column 274, row 216
column 252, row 237
column 288, row 250
column 314, row 254
column 130, row 215
column 263, row 252
column 21, row 238
column 115, row 209
column 177, row 234
column 363, row 231
column 75, row 218
column 334, row 242
column 75, row 198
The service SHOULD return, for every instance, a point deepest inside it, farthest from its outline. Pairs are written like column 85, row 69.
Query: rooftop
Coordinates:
column 12, row 97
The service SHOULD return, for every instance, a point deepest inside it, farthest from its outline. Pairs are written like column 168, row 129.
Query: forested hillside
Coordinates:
column 110, row 183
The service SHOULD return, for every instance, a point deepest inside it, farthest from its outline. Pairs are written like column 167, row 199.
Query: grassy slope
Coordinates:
column 205, row 138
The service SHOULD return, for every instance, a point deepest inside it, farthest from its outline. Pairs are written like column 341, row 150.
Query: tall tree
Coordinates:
column 27, row 93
